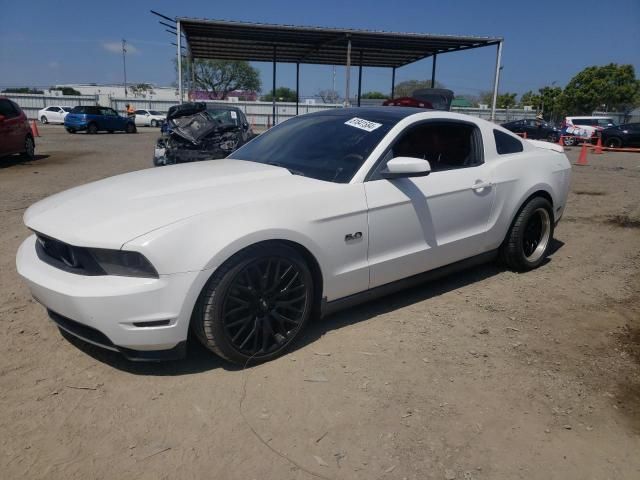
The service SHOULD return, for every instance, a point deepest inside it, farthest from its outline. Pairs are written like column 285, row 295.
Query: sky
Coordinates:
column 47, row 42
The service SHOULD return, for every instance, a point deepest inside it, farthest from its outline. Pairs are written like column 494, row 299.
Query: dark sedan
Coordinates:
column 534, row 128
column 625, row 135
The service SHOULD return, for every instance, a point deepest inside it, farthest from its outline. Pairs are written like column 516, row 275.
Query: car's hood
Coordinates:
column 110, row 212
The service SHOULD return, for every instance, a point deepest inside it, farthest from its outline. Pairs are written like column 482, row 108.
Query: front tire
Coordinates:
column 614, row 142
column 255, row 305
column 529, row 238
column 29, row 148
column 153, row 123
column 92, row 129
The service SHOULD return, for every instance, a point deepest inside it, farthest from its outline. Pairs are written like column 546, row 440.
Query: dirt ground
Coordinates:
column 487, row 374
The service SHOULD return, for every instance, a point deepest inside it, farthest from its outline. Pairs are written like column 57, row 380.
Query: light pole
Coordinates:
column 124, row 65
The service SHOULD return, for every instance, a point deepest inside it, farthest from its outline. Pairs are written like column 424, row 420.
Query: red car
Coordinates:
column 15, row 132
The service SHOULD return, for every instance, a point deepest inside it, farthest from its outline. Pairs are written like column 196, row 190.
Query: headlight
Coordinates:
column 123, row 263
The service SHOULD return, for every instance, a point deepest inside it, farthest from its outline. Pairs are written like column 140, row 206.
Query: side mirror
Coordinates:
column 401, row 167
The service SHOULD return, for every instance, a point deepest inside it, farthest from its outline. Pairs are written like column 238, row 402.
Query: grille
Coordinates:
column 81, row 331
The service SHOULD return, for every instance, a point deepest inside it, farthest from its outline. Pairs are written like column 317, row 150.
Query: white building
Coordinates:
column 106, row 92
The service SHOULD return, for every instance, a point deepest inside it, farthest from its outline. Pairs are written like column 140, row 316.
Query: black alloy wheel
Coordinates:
column 614, row 142
column 529, row 239
column 92, row 129
column 256, row 304
column 264, row 306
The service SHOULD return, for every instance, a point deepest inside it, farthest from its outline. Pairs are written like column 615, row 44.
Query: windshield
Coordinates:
column 325, row 147
column 154, row 112
column 224, row 116
column 605, row 122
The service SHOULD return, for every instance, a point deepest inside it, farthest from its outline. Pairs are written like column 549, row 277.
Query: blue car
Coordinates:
column 96, row 119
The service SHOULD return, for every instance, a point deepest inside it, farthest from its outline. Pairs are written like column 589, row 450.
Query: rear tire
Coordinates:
column 92, row 129
column 44, row 120
column 529, row 239
column 131, row 128
column 255, row 305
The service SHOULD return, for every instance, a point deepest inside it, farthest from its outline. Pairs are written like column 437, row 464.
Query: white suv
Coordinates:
column 583, row 128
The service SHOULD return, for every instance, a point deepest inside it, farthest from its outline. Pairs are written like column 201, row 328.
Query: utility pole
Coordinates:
column 124, row 65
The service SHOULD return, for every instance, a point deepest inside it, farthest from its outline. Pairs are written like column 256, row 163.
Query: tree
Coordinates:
column 141, row 89
column 22, row 90
column 66, row 90
column 406, row 88
column 504, row 100
column 329, row 96
column 374, row 95
column 530, row 99
column 283, row 94
column 219, row 77
column 608, row 87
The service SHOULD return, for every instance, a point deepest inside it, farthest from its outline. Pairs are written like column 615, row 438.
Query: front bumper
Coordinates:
column 78, row 127
column 144, row 318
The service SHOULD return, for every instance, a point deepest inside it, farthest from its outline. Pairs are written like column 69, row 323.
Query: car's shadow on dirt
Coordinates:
column 199, row 359
column 14, row 160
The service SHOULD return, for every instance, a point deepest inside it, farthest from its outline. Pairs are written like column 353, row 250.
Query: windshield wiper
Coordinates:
column 291, row 170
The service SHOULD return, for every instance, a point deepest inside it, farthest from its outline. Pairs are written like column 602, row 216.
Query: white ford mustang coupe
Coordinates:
column 320, row 212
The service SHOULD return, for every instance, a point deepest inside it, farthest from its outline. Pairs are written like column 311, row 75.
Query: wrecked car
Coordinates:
column 197, row 131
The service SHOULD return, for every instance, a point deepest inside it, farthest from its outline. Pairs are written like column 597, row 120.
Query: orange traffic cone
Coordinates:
column 34, row 128
column 560, row 140
column 598, row 149
column 582, row 159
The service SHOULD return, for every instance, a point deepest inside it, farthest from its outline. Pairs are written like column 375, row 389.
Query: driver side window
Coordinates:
column 446, row 145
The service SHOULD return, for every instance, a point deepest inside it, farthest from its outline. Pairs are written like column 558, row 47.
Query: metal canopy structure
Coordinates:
column 230, row 40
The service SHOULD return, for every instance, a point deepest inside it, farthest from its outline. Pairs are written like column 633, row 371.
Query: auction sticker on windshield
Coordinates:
column 363, row 124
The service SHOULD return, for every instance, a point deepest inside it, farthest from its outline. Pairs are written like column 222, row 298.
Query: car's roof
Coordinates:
column 382, row 113
column 222, row 107
column 580, row 117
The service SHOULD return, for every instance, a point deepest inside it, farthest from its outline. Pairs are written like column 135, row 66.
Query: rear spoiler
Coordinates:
column 547, row 145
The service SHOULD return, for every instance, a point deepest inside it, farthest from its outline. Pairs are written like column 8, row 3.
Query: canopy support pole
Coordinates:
column 273, row 92
column 179, row 37
column 348, row 83
column 433, row 71
column 297, row 86
column 496, row 82
column 393, row 82
column 360, row 78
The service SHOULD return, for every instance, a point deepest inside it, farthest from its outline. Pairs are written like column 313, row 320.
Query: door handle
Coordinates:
column 481, row 185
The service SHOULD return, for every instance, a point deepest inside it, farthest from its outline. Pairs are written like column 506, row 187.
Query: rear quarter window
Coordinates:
column 506, row 144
